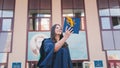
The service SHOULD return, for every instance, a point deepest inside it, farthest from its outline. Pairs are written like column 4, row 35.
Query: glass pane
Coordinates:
column 116, row 35
column 33, row 13
column 108, row 40
column 78, row 4
column 45, row 13
column 6, row 25
column 105, row 23
column 39, row 13
column 113, row 55
column 114, row 3
column 8, row 4
column 1, row 3
column 45, row 4
column 7, row 13
column 0, row 13
column 34, row 4
column 78, row 12
column 5, row 42
column 3, row 58
column 45, row 24
column 30, row 24
column 67, row 12
column 66, row 4
column 118, row 65
column 103, row 4
column 33, row 25
column 116, row 22
column 104, row 12
column 115, row 12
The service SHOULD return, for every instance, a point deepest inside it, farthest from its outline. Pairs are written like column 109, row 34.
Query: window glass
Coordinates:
column 34, row 4
column 108, row 41
column 40, row 24
column 109, row 12
column 45, row 22
column 67, row 12
column 7, row 13
column 1, row 2
column 45, row 4
column 6, row 25
column 39, row 13
column 104, row 12
column 113, row 55
column 5, row 42
column 33, row 13
column 33, row 23
column 105, row 22
column 44, row 13
column 113, row 3
column 78, row 4
column 8, row 4
column 115, row 12
column 67, row 4
column 116, row 35
column 75, row 9
column 116, row 22
column 3, row 58
column 30, row 24
column 103, row 4
column 78, row 12
column 0, row 13
column 39, row 9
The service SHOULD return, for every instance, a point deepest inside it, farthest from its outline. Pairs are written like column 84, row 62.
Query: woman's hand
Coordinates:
column 68, row 32
column 60, row 43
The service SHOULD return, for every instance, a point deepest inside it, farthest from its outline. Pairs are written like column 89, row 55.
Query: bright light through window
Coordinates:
column 45, row 23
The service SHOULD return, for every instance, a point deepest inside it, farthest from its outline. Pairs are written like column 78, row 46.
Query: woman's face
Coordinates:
column 58, row 30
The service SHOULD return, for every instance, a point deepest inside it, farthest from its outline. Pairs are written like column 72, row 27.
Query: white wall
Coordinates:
column 19, row 35
column 93, row 30
column 56, row 11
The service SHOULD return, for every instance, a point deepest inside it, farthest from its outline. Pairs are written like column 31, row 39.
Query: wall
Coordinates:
column 19, row 35
column 93, row 30
column 20, row 31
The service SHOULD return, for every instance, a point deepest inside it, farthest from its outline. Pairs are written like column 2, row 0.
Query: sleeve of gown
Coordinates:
column 49, row 50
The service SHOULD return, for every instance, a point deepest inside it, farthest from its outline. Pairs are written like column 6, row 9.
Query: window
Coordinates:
column 39, row 15
column 39, row 24
column 116, row 22
column 6, row 30
column 75, row 9
column 6, row 24
column 3, row 60
column 109, row 10
column 109, row 14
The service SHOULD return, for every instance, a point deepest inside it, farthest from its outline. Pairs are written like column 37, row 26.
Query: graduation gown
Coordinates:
column 51, row 59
